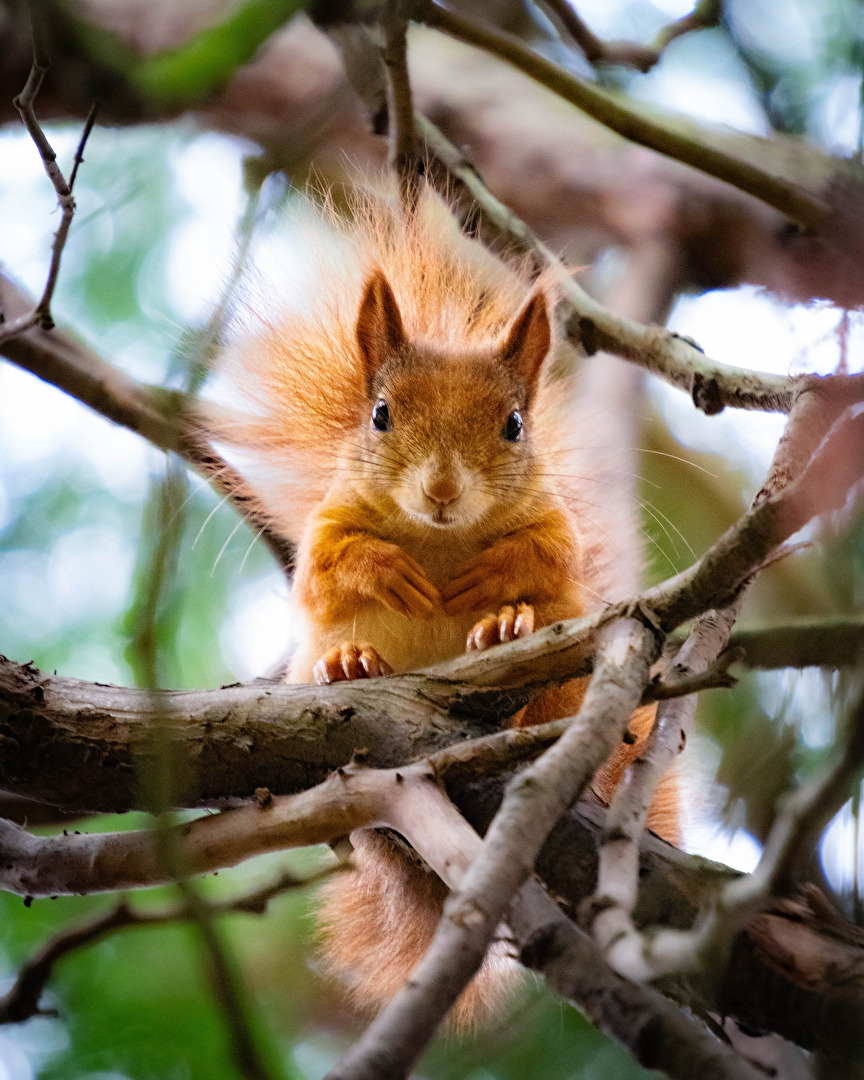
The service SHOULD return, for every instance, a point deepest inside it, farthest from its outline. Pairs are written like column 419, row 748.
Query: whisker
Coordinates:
column 665, row 532
column 224, row 547
column 651, row 508
column 252, row 544
column 578, row 499
column 684, row 461
column 221, row 502
column 200, row 482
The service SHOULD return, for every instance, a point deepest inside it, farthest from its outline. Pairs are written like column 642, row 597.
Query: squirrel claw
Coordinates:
column 350, row 660
column 510, row 623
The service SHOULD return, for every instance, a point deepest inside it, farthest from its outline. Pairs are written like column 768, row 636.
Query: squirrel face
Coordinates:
column 448, row 435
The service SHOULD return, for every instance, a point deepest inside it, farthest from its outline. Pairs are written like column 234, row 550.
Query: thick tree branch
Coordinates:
column 591, row 326
column 79, row 745
column 400, row 102
column 168, row 419
column 533, row 803
column 618, row 870
column 623, row 117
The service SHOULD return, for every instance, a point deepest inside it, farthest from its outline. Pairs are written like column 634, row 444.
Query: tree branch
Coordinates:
column 827, row 643
column 169, row 419
column 630, row 54
column 611, row 908
column 21, row 1001
column 592, row 327
column 92, row 738
column 24, row 103
column 533, row 803
column 400, row 102
column 622, row 116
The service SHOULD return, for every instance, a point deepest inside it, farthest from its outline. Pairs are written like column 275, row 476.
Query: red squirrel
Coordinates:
column 399, row 427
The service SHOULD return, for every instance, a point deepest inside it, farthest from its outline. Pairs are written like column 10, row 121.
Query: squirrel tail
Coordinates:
column 378, row 919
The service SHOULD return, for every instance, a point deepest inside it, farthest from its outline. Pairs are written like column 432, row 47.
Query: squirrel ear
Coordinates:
column 528, row 341
column 379, row 325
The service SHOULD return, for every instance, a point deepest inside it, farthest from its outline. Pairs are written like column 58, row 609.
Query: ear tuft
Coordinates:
column 528, row 342
column 379, row 325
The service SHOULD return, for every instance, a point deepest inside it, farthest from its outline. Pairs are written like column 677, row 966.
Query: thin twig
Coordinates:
column 41, row 314
column 688, row 682
column 630, row 54
column 596, row 51
column 704, row 15
column 82, row 142
column 21, row 1001
column 239, row 1013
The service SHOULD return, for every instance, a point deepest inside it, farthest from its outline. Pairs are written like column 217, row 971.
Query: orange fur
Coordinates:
column 416, row 521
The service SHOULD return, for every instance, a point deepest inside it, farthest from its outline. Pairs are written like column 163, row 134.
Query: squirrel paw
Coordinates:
column 403, row 586
column 350, row 660
column 510, row 623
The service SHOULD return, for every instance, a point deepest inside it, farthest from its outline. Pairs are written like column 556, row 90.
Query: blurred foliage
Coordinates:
column 85, row 583
column 798, row 55
column 201, row 66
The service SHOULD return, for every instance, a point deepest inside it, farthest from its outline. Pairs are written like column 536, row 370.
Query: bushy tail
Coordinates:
column 378, row 920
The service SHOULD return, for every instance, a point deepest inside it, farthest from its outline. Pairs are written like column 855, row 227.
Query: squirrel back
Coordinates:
column 401, row 426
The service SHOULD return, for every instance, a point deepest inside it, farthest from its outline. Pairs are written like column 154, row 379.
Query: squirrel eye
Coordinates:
column 381, row 416
column 512, row 430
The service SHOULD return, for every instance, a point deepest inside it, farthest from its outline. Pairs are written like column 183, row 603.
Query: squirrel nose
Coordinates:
column 443, row 490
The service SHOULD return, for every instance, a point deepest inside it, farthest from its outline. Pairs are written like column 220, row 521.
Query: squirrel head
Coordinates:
column 448, row 434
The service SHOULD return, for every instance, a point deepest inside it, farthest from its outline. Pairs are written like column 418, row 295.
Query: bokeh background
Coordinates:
column 153, row 245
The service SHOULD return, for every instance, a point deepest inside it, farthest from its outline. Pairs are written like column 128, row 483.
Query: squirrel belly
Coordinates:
column 399, row 432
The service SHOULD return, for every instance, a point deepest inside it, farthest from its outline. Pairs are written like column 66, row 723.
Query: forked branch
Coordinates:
column 25, row 104
column 630, row 54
